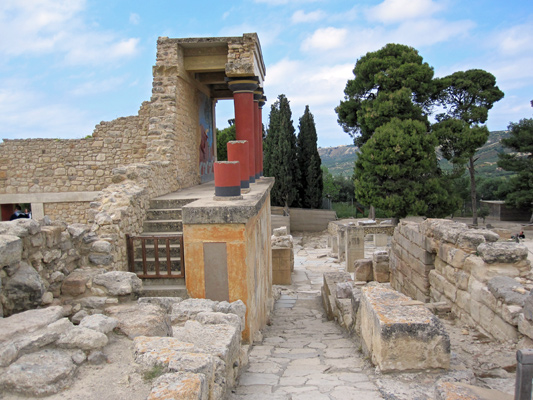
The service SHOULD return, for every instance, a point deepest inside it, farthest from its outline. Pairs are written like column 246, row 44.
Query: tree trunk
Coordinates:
column 473, row 190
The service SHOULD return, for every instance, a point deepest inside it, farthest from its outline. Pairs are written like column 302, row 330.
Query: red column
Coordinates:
column 257, row 135
column 243, row 99
column 227, row 179
column 238, row 151
column 260, row 118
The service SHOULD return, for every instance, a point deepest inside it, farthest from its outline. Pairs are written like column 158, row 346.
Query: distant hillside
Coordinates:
column 341, row 159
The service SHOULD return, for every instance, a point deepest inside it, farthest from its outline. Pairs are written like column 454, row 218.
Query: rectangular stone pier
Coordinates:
column 401, row 334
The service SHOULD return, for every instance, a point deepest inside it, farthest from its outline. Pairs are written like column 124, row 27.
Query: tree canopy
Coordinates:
column 397, row 170
column 520, row 192
column 466, row 97
column 280, row 157
column 392, row 82
column 310, row 193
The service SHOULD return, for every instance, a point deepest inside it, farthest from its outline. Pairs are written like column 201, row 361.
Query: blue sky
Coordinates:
column 66, row 65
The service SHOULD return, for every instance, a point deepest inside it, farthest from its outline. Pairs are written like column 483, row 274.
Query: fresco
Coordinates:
column 207, row 139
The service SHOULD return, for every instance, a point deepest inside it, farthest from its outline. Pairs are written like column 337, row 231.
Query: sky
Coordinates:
column 67, row 65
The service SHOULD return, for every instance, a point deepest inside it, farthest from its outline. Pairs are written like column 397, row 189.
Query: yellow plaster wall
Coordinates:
column 249, row 263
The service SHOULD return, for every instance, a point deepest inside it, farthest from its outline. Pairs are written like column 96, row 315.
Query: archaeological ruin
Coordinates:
column 147, row 257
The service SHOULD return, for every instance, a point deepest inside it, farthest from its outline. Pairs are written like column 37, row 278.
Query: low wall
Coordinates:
column 483, row 279
column 311, row 220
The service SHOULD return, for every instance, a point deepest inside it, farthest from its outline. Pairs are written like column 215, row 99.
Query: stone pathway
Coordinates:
column 304, row 356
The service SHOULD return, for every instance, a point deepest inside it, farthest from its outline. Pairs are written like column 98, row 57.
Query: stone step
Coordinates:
column 169, row 203
column 163, row 281
column 154, row 290
column 164, row 213
column 175, row 250
column 163, row 226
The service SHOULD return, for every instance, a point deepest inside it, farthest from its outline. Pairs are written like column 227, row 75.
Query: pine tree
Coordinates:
column 280, row 159
column 397, row 171
column 309, row 163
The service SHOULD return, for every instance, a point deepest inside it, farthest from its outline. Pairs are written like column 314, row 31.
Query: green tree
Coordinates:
column 520, row 161
column 280, row 157
column 467, row 97
column 309, row 163
column 392, row 82
column 330, row 185
column 397, row 171
column 223, row 137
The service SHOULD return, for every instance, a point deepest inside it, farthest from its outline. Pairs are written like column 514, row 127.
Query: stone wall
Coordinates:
column 35, row 261
column 483, row 279
column 69, row 213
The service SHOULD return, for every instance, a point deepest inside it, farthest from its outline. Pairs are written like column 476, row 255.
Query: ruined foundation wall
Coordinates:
column 35, row 260
column 440, row 260
column 72, row 165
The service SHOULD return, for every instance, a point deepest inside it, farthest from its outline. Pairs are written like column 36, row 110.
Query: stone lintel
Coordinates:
column 59, row 197
column 210, row 211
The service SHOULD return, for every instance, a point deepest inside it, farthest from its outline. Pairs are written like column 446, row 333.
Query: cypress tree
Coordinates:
column 280, row 154
column 309, row 163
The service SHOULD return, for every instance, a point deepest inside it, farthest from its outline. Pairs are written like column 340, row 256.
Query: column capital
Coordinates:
column 245, row 84
column 262, row 101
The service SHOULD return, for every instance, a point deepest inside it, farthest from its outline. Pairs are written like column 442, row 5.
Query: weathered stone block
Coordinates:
column 141, row 320
column 462, row 391
column 180, row 385
column 399, row 335
column 363, row 270
column 10, row 250
column 282, row 265
column 502, row 252
column 380, row 266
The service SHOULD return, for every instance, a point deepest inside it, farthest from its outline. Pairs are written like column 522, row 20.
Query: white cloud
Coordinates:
column 301, row 16
column 426, row 32
column 97, row 86
column 283, row 2
column 37, row 27
column 325, row 39
column 515, row 40
column 391, row 11
column 28, row 114
column 135, row 19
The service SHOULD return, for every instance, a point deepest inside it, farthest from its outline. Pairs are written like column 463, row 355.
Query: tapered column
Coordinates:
column 258, row 94
column 261, row 104
column 243, row 100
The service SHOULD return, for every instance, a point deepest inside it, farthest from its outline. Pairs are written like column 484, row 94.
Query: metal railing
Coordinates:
column 155, row 271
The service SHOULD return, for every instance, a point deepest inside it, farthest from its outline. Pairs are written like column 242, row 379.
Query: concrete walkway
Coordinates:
column 303, row 356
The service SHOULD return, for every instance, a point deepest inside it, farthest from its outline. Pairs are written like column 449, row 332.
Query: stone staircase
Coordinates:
column 164, row 218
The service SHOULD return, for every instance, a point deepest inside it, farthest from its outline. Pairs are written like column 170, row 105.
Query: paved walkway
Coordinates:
column 303, row 356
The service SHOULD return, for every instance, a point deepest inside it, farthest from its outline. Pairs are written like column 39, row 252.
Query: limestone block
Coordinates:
column 363, row 270
column 510, row 314
column 332, row 278
column 354, row 245
column 281, row 231
column 399, row 335
column 75, row 284
column 483, row 271
column 23, row 290
column 82, row 338
column 141, row 320
column 222, row 341
column 380, row 266
column 380, row 240
column 160, row 351
column 165, row 302
column 502, row 252
column 99, row 323
column 180, row 385
column 282, row 265
column 217, row 318
column 343, row 290
column 452, row 255
column 508, row 290
column 39, row 374
column 119, row 283
column 525, row 327
column 495, row 325
column 29, row 321
column 528, row 307
column 10, row 250
column 188, row 308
